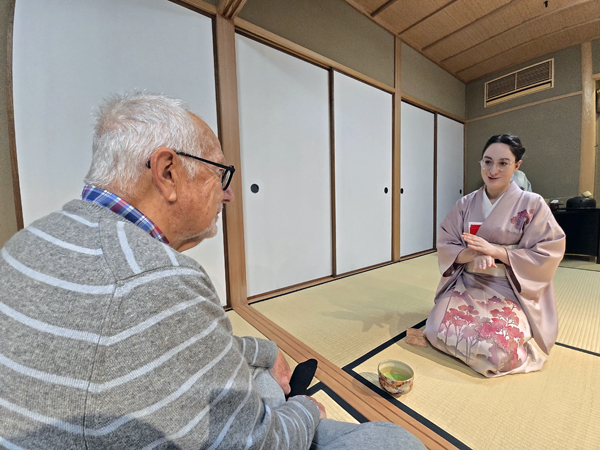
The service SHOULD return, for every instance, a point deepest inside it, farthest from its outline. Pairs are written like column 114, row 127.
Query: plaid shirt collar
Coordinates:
column 119, row 206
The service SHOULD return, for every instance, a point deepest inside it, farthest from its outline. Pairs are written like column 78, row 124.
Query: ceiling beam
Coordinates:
column 383, row 7
column 504, row 31
column 527, row 50
column 428, row 46
column 390, row 29
column 230, row 8
column 410, row 27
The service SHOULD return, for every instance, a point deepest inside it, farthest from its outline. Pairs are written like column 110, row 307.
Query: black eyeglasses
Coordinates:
column 227, row 170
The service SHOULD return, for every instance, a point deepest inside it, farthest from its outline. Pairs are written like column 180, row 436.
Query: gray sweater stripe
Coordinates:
column 171, row 254
column 147, row 368
column 97, row 388
column 287, row 436
column 255, row 350
column 268, row 419
column 80, row 219
column 127, row 249
column 137, row 414
column 298, row 423
column 167, row 400
column 56, row 282
column 93, row 337
column 123, row 290
column 9, row 445
column 111, row 340
column 292, row 421
column 43, row 376
column 63, row 244
column 225, row 429
column 47, row 328
column 65, row 426
column 303, row 409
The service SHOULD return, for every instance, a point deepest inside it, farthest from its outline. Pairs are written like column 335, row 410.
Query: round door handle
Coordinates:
column 401, row 190
column 385, row 190
column 254, row 188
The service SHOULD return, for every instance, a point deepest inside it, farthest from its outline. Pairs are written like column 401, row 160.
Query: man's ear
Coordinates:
column 164, row 175
column 517, row 165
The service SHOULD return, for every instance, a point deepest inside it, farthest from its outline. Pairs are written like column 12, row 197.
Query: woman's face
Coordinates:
column 498, row 166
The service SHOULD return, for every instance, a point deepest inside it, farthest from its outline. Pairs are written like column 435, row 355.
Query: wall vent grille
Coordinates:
column 521, row 82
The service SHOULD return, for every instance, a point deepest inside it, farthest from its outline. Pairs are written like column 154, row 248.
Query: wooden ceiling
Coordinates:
column 474, row 38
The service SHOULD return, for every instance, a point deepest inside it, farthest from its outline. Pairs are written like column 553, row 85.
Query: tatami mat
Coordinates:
column 243, row 328
column 333, row 408
column 344, row 319
column 579, row 263
column 557, row 408
column 578, row 302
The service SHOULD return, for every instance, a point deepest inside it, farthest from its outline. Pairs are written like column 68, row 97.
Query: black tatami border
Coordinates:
column 349, row 369
column 589, row 352
column 579, row 268
column 320, row 386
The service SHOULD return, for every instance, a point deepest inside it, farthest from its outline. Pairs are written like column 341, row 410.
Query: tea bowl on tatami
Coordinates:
column 395, row 377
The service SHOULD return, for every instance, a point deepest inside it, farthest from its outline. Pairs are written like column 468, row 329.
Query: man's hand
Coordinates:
column 281, row 372
column 319, row 405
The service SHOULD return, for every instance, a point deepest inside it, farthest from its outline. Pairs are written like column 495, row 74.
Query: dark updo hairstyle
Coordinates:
column 513, row 142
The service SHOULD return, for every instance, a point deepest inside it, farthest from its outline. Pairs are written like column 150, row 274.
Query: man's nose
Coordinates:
column 228, row 195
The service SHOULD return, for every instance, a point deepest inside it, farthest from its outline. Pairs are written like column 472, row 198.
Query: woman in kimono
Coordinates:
column 498, row 249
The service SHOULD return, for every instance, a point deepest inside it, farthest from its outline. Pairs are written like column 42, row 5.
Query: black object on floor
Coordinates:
column 302, row 377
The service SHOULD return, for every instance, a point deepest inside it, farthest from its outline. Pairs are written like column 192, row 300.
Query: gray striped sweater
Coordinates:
column 110, row 339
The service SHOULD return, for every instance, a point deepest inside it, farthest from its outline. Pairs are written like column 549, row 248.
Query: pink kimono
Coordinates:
column 486, row 319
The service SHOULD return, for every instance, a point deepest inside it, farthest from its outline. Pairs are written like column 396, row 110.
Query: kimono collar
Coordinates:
column 488, row 207
column 510, row 197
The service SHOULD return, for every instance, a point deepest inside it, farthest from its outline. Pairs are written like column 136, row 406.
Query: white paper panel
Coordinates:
column 416, row 179
column 450, row 165
column 68, row 56
column 284, row 130
column 363, row 170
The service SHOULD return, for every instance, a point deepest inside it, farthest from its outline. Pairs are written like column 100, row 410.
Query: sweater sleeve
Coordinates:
column 257, row 352
column 182, row 374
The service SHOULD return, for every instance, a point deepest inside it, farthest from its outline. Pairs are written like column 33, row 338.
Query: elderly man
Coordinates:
column 111, row 338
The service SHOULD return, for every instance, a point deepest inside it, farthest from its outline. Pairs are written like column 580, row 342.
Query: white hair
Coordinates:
column 130, row 128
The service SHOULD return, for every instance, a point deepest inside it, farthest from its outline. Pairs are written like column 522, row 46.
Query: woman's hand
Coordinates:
column 482, row 262
column 480, row 245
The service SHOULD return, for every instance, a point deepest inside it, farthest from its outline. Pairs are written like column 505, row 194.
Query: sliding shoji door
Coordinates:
column 363, row 174
column 285, row 156
column 450, row 165
column 69, row 55
column 416, row 179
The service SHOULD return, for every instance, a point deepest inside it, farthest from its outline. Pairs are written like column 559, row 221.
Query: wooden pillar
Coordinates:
column 229, row 134
column 587, row 169
column 11, row 214
column 396, row 153
column 230, row 8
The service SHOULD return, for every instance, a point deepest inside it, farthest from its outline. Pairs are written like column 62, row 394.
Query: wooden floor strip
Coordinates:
column 355, row 393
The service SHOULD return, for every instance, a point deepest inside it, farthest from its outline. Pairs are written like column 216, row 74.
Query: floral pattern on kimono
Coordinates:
column 489, row 333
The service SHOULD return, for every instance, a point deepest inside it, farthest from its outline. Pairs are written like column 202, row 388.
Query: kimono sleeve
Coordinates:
column 532, row 266
column 540, row 250
column 449, row 242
